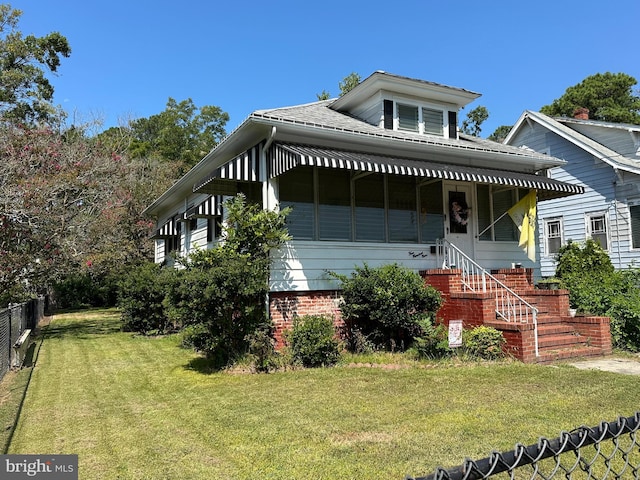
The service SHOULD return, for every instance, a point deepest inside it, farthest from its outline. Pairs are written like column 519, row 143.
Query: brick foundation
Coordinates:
column 285, row 306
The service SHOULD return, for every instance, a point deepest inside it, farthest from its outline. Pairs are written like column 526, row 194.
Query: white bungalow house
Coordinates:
column 380, row 175
column 603, row 158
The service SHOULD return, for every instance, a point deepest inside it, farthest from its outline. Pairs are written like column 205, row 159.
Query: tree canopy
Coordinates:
column 25, row 91
column 475, row 118
column 181, row 133
column 347, row 84
column 607, row 96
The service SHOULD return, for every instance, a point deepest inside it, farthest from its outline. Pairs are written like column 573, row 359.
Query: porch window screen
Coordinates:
column 407, row 117
column 334, row 204
column 296, row 191
column 431, row 216
column 484, row 212
column 504, row 229
column 634, row 210
column 369, row 208
column 433, row 121
column 403, row 226
column 553, row 230
column 598, row 230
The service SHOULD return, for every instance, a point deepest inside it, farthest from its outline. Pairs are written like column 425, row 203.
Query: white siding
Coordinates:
column 304, row 265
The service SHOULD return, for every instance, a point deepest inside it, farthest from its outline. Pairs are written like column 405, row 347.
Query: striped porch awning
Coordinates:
column 169, row 230
column 211, row 207
column 243, row 168
column 284, row 157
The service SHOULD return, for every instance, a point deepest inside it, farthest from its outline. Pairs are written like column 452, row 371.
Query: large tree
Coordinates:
column 182, row 132
column 25, row 91
column 68, row 204
column 607, row 96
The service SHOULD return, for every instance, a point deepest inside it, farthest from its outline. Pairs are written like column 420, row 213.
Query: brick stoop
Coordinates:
column 560, row 336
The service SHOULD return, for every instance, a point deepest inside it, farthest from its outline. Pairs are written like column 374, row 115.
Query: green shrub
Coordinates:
column 220, row 293
column 86, row 289
column 596, row 288
column 387, row 304
column 262, row 349
column 483, row 342
column 312, row 341
column 433, row 343
column 141, row 296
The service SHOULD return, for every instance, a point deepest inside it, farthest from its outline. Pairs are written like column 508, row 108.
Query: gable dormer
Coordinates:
column 405, row 104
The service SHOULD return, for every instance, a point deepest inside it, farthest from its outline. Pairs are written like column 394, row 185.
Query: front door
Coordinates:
column 459, row 228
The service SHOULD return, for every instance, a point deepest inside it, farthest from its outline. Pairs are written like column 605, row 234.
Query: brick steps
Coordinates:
column 550, row 356
column 560, row 337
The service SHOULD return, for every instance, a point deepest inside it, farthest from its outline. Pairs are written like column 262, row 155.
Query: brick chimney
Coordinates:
column 581, row 113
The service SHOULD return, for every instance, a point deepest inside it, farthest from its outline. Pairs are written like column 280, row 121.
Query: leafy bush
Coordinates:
column 220, row 293
column 484, row 342
column 141, row 297
column 387, row 304
column 433, row 343
column 312, row 341
column 262, row 349
column 595, row 287
column 83, row 289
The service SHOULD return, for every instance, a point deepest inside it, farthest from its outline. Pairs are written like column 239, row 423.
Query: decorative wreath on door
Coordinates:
column 459, row 213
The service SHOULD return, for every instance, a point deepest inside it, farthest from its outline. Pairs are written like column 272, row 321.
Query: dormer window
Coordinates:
column 415, row 118
column 433, row 121
column 408, row 117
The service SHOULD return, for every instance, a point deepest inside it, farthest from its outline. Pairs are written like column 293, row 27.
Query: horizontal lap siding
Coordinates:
column 304, row 265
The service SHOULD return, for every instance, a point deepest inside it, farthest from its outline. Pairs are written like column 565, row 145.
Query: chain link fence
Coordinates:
column 610, row 450
column 13, row 322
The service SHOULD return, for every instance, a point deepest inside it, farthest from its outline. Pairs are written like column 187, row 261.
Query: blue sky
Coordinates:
column 129, row 57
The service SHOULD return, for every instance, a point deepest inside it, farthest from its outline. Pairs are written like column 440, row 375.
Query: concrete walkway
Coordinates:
column 627, row 366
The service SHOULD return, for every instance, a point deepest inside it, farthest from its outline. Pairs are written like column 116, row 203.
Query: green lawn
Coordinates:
column 139, row 408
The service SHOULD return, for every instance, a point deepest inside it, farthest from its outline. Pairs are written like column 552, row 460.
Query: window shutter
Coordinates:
column 388, row 114
column 453, row 125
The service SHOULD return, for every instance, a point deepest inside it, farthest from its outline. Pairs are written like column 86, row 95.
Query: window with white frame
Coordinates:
column 634, row 211
column 597, row 228
column 408, row 118
column 433, row 121
column 553, row 235
column 418, row 118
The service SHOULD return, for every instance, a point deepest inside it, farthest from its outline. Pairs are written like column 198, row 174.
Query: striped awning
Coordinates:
column 168, row 230
column 211, row 207
column 243, row 168
column 284, row 157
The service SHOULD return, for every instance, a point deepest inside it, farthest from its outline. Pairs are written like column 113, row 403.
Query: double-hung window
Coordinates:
column 553, row 235
column 597, row 228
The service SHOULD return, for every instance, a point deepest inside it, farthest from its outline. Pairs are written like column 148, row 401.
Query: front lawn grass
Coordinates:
column 136, row 407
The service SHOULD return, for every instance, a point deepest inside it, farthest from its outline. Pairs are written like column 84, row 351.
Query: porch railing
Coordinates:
column 509, row 306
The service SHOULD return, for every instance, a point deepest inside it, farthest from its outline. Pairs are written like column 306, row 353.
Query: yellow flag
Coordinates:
column 523, row 214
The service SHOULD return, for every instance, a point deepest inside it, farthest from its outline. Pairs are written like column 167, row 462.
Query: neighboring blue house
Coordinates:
column 602, row 157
